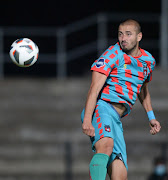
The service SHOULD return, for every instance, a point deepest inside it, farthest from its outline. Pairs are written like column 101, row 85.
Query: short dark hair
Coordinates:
column 132, row 22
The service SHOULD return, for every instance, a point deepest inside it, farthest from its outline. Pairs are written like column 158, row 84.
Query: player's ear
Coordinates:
column 139, row 36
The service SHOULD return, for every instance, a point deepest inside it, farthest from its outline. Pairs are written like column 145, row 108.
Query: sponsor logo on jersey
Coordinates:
column 100, row 63
column 107, row 128
column 125, row 66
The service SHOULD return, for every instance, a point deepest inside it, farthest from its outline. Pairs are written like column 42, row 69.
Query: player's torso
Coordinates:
column 129, row 69
column 125, row 74
column 127, row 77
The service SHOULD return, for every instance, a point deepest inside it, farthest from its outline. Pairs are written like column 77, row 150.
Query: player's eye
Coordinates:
column 119, row 34
column 129, row 34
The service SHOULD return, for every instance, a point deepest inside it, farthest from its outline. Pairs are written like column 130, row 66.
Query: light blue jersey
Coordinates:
column 125, row 75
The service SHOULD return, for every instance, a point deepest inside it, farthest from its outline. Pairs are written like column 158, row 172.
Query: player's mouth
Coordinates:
column 123, row 43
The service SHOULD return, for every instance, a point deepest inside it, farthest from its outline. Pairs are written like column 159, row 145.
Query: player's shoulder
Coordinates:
column 115, row 48
column 148, row 58
column 147, row 55
column 115, row 51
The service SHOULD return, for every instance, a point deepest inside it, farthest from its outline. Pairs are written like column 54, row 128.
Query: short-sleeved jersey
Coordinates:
column 125, row 75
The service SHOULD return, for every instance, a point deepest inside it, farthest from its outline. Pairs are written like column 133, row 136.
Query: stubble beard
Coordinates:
column 130, row 50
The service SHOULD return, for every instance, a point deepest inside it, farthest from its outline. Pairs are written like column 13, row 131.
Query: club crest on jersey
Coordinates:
column 107, row 128
column 100, row 63
column 145, row 71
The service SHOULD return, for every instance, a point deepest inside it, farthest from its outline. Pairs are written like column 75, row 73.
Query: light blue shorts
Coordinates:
column 106, row 122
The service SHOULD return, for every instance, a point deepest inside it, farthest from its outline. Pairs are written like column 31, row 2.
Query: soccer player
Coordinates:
column 119, row 77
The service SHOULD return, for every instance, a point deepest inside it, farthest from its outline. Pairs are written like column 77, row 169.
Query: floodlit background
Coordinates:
column 40, row 106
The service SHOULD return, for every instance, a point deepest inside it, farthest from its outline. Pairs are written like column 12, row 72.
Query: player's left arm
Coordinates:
column 145, row 100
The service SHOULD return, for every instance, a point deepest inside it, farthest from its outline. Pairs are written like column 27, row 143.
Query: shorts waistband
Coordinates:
column 111, row 107
column 114, row 109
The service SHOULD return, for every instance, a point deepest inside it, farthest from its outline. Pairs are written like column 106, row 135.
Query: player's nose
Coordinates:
column 124, row 38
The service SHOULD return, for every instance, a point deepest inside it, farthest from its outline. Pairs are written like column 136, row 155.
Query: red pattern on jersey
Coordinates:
column 107, row 60
column 105, row 53
column 140, row 76
column 111, row 47
column 106, row 90
column 112, row 56
column 114, row 79
column 119, row 89
column 119, row 45
column 127, row 59
column 116, row 52
column 101, row 70
column 125, row 102
column 130, row 92
column 139, row 63
column 114, row 71
column 112, row 66
column 105, row 99
column 128, row 73
column 138, row 88
column 117, row 62
column 149, row 65
column 143, row 52
column 122, row 102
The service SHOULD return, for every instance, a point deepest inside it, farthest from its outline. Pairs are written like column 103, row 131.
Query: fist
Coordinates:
column 88, row 129
column 155, row 126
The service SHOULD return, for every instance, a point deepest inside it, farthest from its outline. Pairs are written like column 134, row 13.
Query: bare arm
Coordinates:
column 145, row 100
column 97, row 83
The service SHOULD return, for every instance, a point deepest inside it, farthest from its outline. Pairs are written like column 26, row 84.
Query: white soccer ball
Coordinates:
column 24, row 52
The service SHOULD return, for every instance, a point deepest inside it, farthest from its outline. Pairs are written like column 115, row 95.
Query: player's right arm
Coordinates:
column 101, row 69
column 98, row 80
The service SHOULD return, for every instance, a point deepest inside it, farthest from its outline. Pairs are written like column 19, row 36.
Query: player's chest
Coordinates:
column 130, row 67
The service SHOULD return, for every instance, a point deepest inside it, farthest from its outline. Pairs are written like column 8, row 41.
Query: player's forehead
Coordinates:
column 127, row 27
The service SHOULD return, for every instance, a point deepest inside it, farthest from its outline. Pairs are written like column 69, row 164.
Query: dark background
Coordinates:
column 60, row 13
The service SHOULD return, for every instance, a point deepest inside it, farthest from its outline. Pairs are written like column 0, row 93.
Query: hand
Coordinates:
column 88, row 129
column 155, row 126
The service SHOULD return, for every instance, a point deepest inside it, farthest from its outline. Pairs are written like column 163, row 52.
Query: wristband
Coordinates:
column 151, row 115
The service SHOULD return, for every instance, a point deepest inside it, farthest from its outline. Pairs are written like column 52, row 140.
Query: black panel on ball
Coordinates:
column 28, row 62
column 16, row 56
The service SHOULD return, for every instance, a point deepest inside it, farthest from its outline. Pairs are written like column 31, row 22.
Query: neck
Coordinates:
column 135, row 53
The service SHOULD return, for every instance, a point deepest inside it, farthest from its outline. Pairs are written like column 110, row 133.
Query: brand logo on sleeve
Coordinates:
column 100, row 63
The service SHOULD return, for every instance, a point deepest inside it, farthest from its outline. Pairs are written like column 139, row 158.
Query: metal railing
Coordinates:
column 61, row 55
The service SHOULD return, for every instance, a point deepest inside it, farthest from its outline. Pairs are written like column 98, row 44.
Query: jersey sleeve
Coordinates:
column 151, row 66
column 149, row 78
column 106, row 62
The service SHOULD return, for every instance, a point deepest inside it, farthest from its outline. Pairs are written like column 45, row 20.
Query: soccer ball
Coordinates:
column 24, row 52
